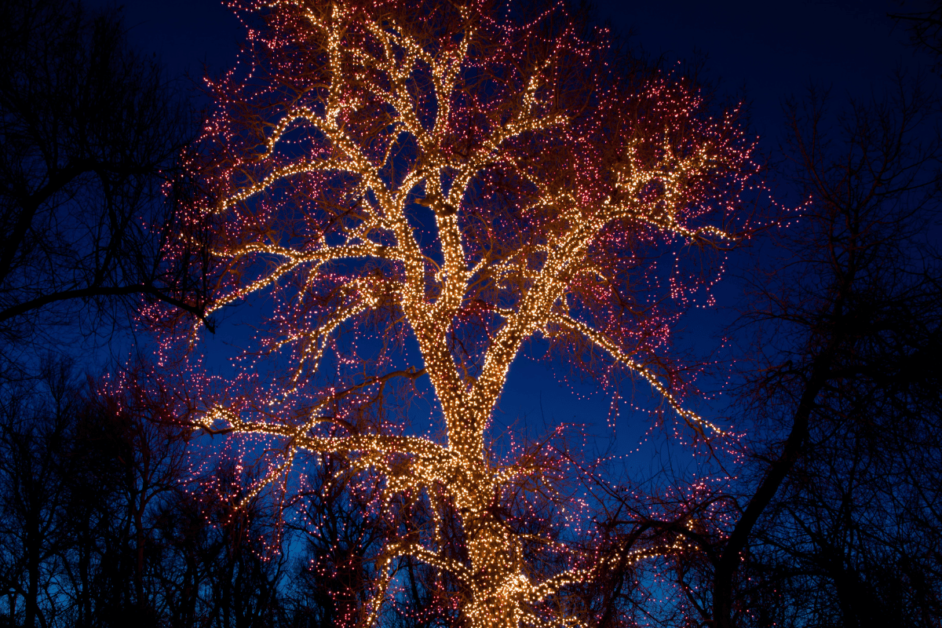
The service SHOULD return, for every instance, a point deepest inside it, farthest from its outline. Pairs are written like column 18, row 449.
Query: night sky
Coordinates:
column 768, row 49
column 763, row 52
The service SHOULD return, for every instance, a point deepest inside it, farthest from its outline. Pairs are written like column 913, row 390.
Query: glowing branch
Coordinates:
column 548, row 179
column 692, row 418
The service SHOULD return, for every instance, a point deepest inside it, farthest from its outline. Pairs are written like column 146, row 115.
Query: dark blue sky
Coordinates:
column 770, row 48
column 766, row 51
column 774, row 48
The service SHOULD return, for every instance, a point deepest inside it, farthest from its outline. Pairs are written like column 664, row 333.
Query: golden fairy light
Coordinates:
column 545, row 176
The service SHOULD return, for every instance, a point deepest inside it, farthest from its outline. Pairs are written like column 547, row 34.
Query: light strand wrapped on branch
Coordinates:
column 459, row 179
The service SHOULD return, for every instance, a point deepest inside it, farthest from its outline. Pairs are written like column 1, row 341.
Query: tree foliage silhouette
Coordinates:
column 843, row 384
column 90, row 132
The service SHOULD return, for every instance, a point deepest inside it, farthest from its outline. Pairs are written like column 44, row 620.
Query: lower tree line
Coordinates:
column 101, row 528
column 109, row 516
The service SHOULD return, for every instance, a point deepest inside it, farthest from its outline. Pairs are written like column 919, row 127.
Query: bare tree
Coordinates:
column 90, row 132
column 146, row 458
column 843, row 384
column 340, row 534
column 244, row 573
column 36, row 426
column 924, row 26
column 414, row 193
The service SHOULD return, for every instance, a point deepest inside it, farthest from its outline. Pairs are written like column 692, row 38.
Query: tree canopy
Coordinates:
column 417, row 194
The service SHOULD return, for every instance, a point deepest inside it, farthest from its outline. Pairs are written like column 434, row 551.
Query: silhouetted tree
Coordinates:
column 89, row 136
column 36, row 429
column 243, row 553
column 925, row 27
column 339, row 536
column 838, row 526
column 145, row 455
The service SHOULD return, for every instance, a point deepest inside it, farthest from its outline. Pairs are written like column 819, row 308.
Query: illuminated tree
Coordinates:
column 89, row 134
column 414, row 192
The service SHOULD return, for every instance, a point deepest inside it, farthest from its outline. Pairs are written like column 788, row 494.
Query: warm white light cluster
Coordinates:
column 503, row 592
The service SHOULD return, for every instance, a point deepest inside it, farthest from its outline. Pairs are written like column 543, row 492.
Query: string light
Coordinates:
column 542, row 193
